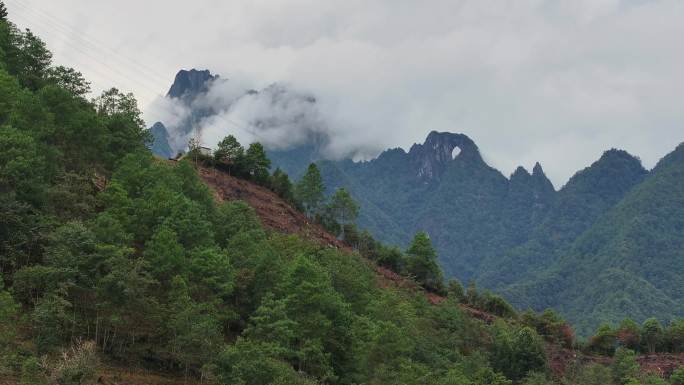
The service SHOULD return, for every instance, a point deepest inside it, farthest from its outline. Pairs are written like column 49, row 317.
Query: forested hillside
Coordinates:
column 505, row 233
column 628, row 262
column 119, row 267
column 113, row 258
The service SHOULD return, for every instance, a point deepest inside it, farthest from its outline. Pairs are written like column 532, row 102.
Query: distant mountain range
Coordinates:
column 608, row 244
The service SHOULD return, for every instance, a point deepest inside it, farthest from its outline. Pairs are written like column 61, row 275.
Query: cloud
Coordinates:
column 529, row 80
column 278, row 116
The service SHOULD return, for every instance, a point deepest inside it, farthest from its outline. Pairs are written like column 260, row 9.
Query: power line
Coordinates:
column 95, row 59
column 73, row 32
column 55, row 27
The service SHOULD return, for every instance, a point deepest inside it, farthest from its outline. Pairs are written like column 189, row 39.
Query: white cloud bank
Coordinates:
column 529, row 80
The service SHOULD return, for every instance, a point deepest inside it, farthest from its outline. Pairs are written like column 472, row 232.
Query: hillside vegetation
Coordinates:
column 112, row 258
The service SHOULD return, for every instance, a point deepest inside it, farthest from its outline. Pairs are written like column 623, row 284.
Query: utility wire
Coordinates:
column 92, row 42
column 68, row 33
column 143, row 83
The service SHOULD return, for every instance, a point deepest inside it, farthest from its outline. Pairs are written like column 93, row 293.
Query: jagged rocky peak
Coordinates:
column 536, row 183
column 439, row 149
column 540, row 179
column 520, row 174
column 191, row 82
column 160, row 143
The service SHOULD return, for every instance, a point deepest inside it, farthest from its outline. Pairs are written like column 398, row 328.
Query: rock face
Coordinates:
column 160, row 141
column 191, row 83
column 514, row 234
column 432, row 157
column 186, row 88
column 284, row 116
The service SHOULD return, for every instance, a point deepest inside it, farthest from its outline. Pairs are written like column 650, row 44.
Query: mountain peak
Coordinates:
column 615, row 154
column 443, row 144
column 190, row 82
column 520, row 173
column 610, row 177
column 441, row 148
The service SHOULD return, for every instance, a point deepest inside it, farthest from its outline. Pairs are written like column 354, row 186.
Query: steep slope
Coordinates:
column 630, row 262
column 501, row 232
column 444, row 187
column 575, row 208
column 274, row 212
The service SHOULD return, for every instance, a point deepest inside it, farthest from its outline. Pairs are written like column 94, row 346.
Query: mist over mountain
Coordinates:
column 512, row 234
column 324, row 249
column 206, row 107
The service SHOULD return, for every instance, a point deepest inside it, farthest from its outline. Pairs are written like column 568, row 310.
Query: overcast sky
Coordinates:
column 557, row 82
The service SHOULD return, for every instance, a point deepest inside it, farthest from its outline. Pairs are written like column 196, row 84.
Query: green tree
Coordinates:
column 256, row 363
column 651, row 332
column 421, row 262
column 528, row 353
column 165, row 255
column 322, row 316
column 52, row 319
column 22, row 168
column 229, row 152
column 675, row 335
column 625, row 366
column 517, row 352
column 392, row 258
column 257, row 163
column 455, row 290
column 233, row 218
column 35, row 61
column 629, row 334
column 3, row 12
column 270, row 323
column 343, row 208
column 310, row 190
column 281, row 185
column 69, row 79
column 604, row 341
column 195, row 331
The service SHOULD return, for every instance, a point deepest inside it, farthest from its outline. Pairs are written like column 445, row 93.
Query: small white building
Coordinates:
column 206, row 151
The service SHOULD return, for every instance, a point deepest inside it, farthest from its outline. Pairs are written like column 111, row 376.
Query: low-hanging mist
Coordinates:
column 280, row 116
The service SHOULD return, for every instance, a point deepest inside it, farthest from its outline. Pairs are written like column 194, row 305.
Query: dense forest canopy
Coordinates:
column 109, row 255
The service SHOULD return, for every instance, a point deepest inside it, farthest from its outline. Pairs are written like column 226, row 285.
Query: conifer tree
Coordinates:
column 651, row 333
column 422, row 262
column 229, row 151
column 343, row 208
column 309, row 190
column 257, row 163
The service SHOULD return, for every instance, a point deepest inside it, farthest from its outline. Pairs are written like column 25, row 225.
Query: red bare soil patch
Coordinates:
column 277, row 215
column 662, row 364
column 274, row 212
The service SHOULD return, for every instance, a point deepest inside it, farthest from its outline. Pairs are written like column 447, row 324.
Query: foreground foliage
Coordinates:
column 108, row 254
